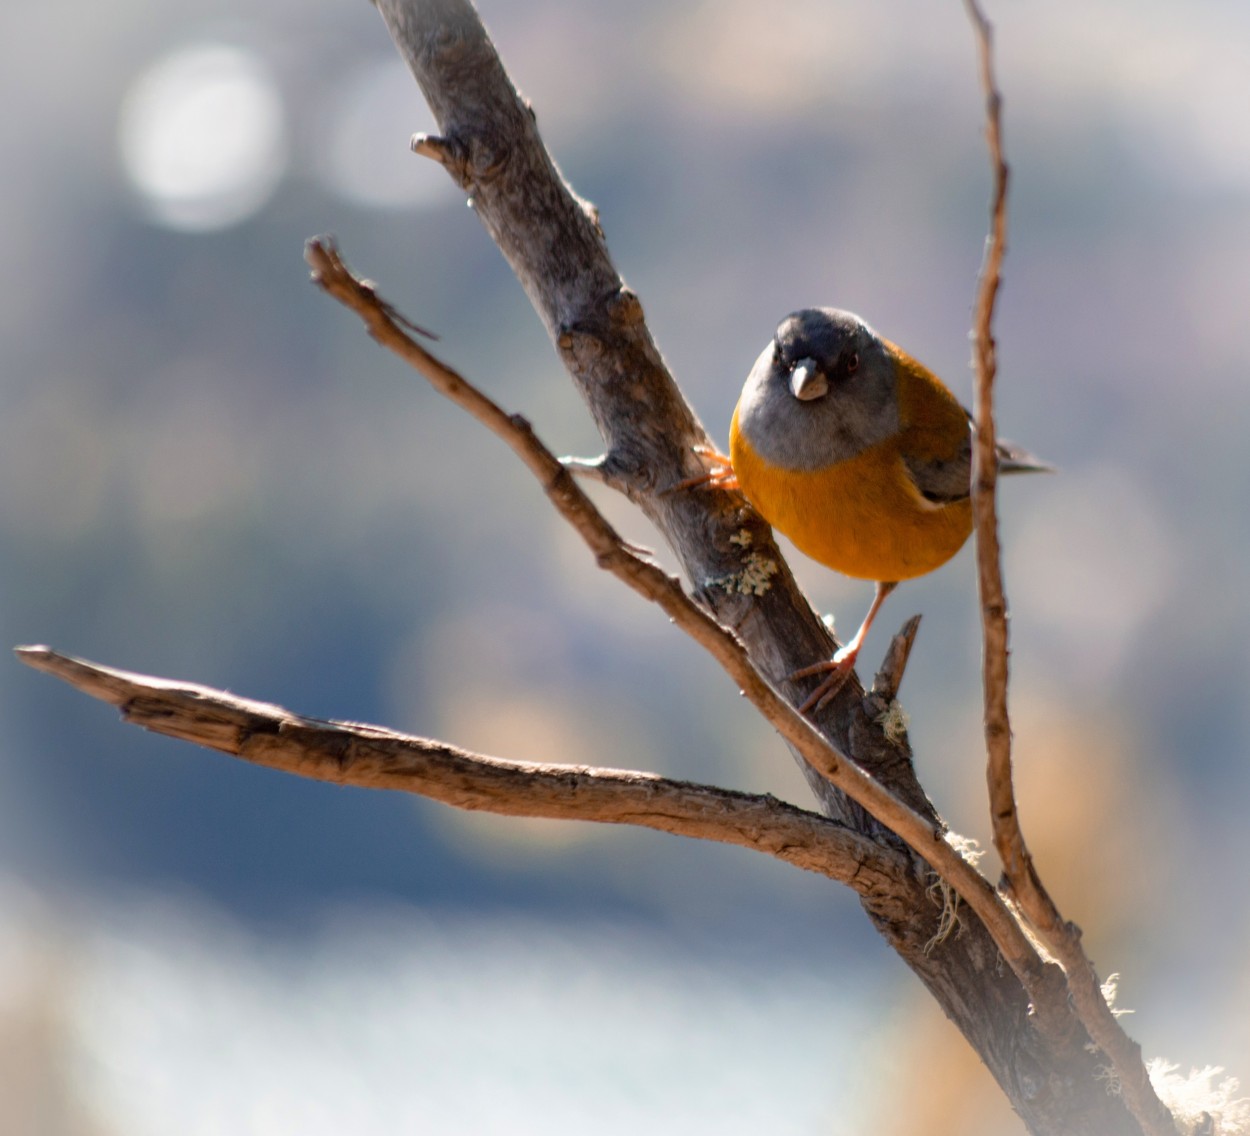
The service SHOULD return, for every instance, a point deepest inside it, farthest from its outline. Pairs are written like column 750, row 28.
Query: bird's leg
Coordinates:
column 720, row 476
column 842, row 664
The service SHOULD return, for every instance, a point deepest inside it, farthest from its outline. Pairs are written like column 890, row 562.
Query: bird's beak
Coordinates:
column 807, row 381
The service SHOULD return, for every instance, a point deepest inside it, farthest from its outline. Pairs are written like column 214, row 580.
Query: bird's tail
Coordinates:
column 1016, row 459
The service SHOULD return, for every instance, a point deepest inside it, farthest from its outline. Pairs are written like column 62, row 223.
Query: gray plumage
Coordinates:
column 852, row 410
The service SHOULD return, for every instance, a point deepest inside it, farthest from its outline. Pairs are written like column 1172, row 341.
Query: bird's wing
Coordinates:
column 935, row 442
column 936, row 437
column 942, row 480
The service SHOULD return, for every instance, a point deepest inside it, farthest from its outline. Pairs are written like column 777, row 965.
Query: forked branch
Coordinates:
column 1017, row 1016
column 651, row 582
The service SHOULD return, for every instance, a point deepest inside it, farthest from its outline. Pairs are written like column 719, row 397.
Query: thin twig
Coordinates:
column 331, row 274
column 350, row 753
column 1008, row 839
column 1021, row 880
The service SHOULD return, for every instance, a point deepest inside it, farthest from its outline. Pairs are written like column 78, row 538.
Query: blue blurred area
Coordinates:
column 208, row 471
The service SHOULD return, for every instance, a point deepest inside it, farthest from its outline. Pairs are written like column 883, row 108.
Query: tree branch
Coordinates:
column 388, row 328
column 370, row 757
column 646, row 578
column 750, row 614
column 489, row 142
column 1021, row 879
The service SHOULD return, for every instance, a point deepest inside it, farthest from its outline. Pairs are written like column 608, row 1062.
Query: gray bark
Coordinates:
column 489, row 142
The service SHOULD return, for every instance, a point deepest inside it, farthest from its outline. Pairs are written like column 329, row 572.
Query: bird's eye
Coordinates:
column 852, row 363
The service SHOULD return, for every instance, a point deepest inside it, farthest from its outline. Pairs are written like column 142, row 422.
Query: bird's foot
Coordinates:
column 720, row 476
column 838, row 671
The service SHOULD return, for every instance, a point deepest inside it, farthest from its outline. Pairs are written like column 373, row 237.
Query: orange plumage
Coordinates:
column 858, row 454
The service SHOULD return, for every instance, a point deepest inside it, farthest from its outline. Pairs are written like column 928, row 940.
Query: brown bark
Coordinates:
column 369, row 757
column 1020, row 878
column 1010, row 1004
column 489, row 141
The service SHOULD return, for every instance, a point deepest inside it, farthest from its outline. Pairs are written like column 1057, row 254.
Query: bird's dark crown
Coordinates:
column 828, row 336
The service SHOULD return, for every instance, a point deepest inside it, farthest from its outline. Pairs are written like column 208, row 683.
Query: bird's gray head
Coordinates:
column 823, row 391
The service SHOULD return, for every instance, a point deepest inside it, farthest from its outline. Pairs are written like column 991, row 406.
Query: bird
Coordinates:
column 860, row 455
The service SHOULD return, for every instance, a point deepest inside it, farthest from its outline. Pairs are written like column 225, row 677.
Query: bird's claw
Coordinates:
column 720, row 476
column 839, row 671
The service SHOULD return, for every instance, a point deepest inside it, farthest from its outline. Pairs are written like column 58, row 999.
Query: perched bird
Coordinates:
column 858, row 454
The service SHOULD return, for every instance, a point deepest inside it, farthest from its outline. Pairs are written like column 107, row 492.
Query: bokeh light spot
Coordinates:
column 203, row 137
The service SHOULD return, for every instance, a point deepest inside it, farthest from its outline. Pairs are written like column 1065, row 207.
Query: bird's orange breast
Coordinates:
column 863, row 517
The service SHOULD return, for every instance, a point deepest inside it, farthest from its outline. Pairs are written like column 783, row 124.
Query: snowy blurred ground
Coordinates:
column 159, row 1017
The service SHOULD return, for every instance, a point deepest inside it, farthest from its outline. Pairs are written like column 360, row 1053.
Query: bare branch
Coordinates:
column 1023, row 1030
column 349, row 753
column 1020, row 876
column 1008, row 839
column 650, row 581
column 1016, row 1016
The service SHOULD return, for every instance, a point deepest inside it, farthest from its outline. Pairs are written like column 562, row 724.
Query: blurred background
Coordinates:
column 211, row 473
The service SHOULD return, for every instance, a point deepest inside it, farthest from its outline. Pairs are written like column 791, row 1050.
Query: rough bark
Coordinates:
column 370, row 757
column 489, row 142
